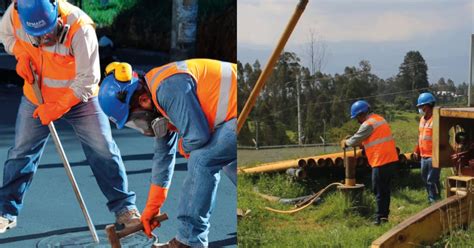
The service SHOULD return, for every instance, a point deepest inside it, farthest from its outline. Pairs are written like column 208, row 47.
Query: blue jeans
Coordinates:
column 430, row 177
column 198, row 194
column 93, row 130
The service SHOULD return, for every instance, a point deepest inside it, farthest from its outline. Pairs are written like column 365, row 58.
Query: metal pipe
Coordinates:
column 321, row 162
column 470, row 100
column 66, row 164
column 271, row 63
column 299, row 173
column 312, row 163
column 329, row 162
column 349, row 169
column 302, row 163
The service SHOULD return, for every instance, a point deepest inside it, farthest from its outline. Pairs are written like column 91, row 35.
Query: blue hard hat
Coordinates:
column 38, row 17
column 114, row 98
column 425, row 98
column 359, row 107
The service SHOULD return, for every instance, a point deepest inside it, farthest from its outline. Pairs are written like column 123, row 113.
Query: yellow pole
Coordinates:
column 271, row 63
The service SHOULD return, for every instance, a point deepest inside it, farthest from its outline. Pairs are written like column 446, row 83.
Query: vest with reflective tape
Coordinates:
column 380, row 145
column 55, row 64
column 216, row 87
column 425, row 137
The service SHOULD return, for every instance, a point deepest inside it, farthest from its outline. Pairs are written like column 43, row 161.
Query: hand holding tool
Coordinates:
column 66, row 164
column 156, row 198
column 115, row 235
column 24, row 68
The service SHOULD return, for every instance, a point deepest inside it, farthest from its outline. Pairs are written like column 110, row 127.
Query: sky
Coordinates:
column 381, row 31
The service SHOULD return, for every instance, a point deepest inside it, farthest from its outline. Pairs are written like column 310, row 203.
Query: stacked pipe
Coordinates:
column 325, row 164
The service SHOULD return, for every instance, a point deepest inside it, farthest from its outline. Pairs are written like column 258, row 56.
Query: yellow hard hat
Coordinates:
column 122, row 71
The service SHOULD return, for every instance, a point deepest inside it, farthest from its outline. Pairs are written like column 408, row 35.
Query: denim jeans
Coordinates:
column 93, row 130
column 381, row 186
column 198, row 194
column 430, row 177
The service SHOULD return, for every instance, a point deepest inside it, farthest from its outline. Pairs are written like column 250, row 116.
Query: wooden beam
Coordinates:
column 427, row 226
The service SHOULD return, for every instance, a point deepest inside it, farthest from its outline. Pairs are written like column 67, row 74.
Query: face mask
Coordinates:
column 420, row 110
column 57, row 35
column 142, row 122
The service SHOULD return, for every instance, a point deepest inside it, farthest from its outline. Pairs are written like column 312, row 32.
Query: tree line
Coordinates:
column 325, row 99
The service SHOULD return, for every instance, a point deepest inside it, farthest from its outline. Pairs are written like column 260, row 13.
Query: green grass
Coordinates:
column 332, row 223
column 105, row 15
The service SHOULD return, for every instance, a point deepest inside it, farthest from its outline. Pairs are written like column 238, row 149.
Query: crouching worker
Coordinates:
column 376, row 138
column 189, row 106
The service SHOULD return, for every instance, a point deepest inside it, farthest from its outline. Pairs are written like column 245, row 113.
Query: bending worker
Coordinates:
column 59, row 40
column 423, row 150
column 190, row 106
column 376, row 138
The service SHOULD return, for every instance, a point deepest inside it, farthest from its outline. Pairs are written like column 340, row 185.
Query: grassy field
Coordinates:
column 332, row 223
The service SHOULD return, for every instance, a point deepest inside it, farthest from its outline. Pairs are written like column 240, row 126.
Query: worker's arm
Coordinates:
column 6, row 30
column 177, row 96
column 85, row 49
column 164, row 159
column 363, row 133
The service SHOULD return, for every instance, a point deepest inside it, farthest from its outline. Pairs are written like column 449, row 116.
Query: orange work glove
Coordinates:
column 23, row 68
column 181, row 149
column 52, row 111
column 156, row 198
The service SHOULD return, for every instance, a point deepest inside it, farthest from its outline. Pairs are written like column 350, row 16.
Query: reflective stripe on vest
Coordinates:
column 210, row 76
column 55, row 64
column 378, row 141
column 425, row 137
column 380, row 145
column 223, row 103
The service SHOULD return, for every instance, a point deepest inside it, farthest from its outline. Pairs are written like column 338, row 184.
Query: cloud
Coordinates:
column 262, row 22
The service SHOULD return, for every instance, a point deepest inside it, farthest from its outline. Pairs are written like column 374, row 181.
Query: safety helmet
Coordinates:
column 425, row 98
column 116, row 91
column 38, row 17
column 359, row 107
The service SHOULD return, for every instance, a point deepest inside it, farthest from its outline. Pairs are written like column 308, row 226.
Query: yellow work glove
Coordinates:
column 23, row 68
column 52, row 111
column 156, row 198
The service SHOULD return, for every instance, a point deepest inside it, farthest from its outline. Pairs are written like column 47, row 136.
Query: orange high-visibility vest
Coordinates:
column 55, row 64
column 380, row 145
column 216, row 87
column 425, row 137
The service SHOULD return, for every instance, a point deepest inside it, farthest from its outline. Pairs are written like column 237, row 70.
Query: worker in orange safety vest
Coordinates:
column 55, row 42
column 376, row 138
column 188, row 106
column 424, row 148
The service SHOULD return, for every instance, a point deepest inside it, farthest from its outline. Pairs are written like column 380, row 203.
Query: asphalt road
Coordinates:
column 50, row 205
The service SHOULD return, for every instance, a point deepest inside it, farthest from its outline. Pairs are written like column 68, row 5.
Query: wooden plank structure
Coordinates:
column 457, row 210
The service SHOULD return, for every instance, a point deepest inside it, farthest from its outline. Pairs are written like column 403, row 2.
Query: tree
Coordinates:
column 413, row 72
column 316, row 52
column 413, row 75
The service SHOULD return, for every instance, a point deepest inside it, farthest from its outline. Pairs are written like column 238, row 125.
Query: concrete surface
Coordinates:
column 51, row 207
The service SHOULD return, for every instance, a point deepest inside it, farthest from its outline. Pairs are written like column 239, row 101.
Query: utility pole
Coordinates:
column 324, row 136
column 298, row 94
column 470, row 93
column 256, row 135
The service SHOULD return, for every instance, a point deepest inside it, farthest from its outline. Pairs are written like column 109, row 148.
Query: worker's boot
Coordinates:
column 174, row 243
column 129, row 218
column 380, row 220
column 6, row 224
